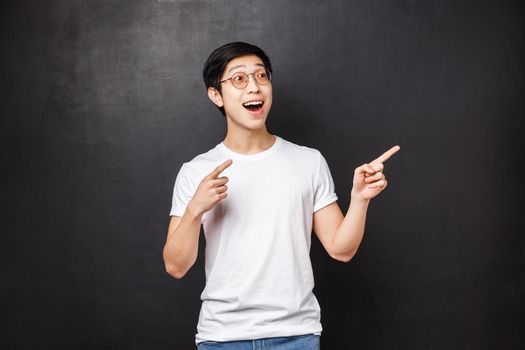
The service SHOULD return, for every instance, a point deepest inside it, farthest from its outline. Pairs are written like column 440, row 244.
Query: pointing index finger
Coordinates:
column 385, row 156
column 218, row 170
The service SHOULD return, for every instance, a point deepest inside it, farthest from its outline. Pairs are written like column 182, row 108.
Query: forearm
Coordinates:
column 182, row 243
column 342, row 235
column 349, row 234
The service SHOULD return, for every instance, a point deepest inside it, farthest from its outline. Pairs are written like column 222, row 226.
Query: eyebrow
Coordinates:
column 243, row 65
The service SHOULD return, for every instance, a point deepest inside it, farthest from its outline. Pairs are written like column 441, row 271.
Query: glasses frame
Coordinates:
column 248, row 78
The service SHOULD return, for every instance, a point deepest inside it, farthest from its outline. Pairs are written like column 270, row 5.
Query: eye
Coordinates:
column 239, row 78
column 262, row 74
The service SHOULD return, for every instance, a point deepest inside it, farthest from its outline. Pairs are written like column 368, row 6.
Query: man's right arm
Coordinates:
column 182, row 242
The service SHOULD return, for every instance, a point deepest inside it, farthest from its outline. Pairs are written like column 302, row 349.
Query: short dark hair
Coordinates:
column 220, row 57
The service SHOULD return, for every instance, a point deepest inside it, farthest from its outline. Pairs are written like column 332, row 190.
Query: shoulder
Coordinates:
column 202, row 164
column 302, row 152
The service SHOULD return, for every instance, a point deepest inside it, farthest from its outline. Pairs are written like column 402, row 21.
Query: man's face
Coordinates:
column 245, row 108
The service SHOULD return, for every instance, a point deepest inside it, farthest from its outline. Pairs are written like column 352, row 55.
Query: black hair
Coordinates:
column 220, row 57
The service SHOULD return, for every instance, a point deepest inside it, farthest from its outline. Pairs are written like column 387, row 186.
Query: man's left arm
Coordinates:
column 341, row 235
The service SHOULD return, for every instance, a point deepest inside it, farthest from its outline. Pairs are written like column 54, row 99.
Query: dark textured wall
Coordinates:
column 102, row 101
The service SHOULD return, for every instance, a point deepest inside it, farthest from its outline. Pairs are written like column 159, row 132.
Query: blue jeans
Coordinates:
column 300, row 342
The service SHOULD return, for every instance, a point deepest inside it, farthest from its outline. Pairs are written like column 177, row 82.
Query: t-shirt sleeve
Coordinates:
column 182, row 192
column 325, row 189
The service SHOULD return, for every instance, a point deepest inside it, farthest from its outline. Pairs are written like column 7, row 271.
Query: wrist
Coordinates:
column 358, row 199
column 194, row 212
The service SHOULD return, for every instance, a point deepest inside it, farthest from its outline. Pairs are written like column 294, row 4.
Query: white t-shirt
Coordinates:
column 259, row 277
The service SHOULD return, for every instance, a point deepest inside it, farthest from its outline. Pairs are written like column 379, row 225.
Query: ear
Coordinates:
column 215, row 96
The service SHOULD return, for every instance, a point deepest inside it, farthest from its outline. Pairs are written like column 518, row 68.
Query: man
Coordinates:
column 258, row 198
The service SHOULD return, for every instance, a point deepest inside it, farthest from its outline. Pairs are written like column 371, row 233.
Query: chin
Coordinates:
column 252, row 122
column 255, row 125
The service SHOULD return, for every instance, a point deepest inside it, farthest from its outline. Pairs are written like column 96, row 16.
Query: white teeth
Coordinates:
column 253, row 103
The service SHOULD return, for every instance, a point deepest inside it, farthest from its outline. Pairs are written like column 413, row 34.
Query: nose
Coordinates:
column 252, row 86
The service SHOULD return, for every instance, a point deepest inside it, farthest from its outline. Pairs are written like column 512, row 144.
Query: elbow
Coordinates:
column 175, row 272
column 343, row 257
column 174, row 267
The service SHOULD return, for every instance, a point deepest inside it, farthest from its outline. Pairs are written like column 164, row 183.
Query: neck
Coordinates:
column 249, row 141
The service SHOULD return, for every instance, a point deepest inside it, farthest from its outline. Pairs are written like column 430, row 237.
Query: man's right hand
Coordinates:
column 212, row 189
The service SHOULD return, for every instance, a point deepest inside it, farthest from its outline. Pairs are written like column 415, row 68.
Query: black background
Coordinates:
column 102, row 101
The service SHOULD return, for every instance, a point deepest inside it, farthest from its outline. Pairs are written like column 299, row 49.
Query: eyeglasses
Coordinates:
column 240, row 79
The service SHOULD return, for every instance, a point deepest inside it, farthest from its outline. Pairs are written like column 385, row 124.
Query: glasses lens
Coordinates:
column 240, row 80
column 262, row 76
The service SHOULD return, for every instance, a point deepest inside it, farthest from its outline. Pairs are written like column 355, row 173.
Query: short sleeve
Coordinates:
column 182, row 192
column 325, row 189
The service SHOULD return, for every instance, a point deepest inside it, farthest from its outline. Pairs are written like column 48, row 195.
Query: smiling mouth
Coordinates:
column 253, row 106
